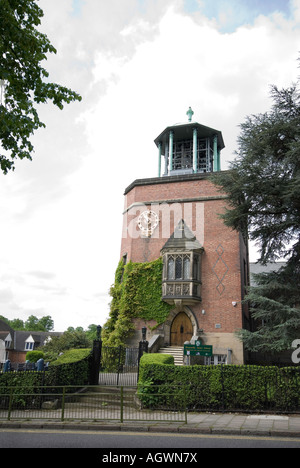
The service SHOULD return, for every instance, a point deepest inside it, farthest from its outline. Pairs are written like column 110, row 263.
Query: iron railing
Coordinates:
column 119, row 366
column 117, row 403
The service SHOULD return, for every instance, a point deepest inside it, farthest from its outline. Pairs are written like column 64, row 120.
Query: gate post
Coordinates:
column 143, row 348
column 96, row 358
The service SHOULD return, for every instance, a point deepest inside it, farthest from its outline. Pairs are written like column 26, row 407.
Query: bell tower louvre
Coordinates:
column 175, row 217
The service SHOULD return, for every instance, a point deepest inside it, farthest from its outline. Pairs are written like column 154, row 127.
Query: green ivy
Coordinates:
column 136, row 293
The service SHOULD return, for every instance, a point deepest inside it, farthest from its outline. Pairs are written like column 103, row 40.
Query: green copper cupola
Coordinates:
column 189, row 148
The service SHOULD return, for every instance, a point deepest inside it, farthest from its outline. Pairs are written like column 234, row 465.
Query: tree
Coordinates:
column 33, row 323
column 16, row 324
column 263, row 187
column 46, row 323
column 23, row 80
column 68, row 340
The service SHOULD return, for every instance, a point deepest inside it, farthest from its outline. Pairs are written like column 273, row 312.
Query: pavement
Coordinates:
column 197, row 423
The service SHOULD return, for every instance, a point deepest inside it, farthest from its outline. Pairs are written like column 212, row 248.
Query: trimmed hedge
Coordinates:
column 223, row 387
column 70, row 356
column 72, row 368
column 22, row 383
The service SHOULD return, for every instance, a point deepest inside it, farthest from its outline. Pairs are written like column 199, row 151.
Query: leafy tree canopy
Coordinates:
column 263, row 187
column 23, row 79
column 68, row 340
column 33, row 323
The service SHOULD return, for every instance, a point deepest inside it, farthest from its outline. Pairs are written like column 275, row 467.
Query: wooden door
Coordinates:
column 181, row 330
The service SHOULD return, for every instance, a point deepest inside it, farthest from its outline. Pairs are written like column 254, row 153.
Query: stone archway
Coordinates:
column 172, row 316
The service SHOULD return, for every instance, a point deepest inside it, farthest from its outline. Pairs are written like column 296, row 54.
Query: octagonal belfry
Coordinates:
column 189, row 148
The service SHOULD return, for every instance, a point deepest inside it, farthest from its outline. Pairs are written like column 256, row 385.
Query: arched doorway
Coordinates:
column 181, row 330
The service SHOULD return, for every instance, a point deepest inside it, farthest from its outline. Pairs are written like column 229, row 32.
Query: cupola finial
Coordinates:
column 190, row 114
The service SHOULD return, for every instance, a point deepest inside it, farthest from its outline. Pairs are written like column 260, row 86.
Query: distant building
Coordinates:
column 17, row 343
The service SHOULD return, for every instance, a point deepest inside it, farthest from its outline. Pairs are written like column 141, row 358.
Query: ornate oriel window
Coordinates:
column 178, row 267
column 182, row 267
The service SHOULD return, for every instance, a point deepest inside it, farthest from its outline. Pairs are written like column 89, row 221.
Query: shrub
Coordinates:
column 224, row 387
column 71, row 368
column 150, row 388
column 34, row 356
column 71, row 355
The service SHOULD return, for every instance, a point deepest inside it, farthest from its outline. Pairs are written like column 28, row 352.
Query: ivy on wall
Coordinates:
column 136, row 293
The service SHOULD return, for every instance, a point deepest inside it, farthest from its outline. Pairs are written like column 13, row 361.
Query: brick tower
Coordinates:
column 205, row 264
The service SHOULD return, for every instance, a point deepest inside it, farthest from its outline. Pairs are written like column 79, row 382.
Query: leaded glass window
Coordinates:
column 171, row 268
column 178, row 267
column 186, row 267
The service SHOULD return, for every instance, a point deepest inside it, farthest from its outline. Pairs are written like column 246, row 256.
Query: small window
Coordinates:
column 196, row 272
column 178, row 268
column 171, row 268
column 186, row 267
column 215, row 359
column 29, row 346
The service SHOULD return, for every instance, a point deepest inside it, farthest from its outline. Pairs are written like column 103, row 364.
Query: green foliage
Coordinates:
column 72, row 355
column 264, row 179
column 33, row 323
column 23, row 48
column 68, row 340
column 275, row 308
column 72, row 368
column 153, row 358
column 34, row 356
column 136, row 293
column 21, row 383
column 219, row 387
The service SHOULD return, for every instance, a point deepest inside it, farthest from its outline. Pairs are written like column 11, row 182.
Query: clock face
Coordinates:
column 147, row 222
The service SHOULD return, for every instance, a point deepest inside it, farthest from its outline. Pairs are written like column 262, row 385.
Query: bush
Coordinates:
column 25, row 386
column 71, row 368
column 71, row 355
column 224, row 387
column 150, row 388
column 156, row 358
column 34, row 356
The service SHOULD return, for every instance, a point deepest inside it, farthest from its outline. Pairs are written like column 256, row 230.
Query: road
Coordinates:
column 21, row 438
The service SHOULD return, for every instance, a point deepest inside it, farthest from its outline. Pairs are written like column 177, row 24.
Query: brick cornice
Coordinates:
column 168, row 180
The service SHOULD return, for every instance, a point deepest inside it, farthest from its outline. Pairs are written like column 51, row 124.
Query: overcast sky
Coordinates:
column 139, row 65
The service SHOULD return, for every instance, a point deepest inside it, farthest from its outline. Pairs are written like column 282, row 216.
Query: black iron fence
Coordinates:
column 117, row 403
column 119, row 366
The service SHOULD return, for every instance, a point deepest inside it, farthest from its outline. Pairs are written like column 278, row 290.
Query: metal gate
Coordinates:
column 119, row 366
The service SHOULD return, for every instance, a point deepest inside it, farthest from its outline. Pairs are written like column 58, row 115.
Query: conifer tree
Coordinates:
column 263, row 187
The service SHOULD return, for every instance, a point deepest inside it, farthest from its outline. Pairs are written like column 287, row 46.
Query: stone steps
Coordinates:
column 101, row 397
column 176, row 352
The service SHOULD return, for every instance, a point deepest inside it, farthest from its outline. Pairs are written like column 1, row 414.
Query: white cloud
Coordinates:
column 138, row 70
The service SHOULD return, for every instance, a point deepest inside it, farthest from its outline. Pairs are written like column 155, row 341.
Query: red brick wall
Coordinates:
column 17, row 356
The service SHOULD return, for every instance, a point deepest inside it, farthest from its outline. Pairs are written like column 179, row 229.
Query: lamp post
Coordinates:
column 99, row 328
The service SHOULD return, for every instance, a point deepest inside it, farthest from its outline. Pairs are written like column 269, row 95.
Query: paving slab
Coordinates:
column 197, row 423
